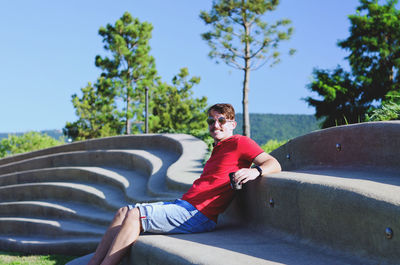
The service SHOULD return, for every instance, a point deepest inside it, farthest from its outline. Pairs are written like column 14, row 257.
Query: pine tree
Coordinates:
column 96, row 110
column 130, row 66
column 241, row 38
column 174, row 109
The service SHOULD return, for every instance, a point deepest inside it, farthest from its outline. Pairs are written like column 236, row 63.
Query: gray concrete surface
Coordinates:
column 53, row 197
column 373, row 144
column 332, row 204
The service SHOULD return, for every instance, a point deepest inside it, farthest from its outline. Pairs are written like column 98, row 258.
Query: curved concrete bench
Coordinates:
column 52, row 199
column 332, row 204
column 336, row 202
column 168, row 142
column 374, row 144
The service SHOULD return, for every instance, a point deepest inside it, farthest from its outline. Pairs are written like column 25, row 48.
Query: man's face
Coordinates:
column 220, row 131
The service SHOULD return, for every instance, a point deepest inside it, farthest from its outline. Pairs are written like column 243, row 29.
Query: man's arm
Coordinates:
column 266, row 162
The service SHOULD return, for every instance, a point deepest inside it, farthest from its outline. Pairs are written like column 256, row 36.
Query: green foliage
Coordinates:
column 386, row 112
column 107, row 107
column 27, row 142
column 239, row 32
column 130, row 68
column 22, row 259
column 242, row 39
column 173, row 107
column 271, row 145
column 278, row 127
column 96, row 111
column 56, row 134
column 341, row 103
column 374, row 45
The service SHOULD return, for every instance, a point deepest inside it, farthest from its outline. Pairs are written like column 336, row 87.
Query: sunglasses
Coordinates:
column 221, row 120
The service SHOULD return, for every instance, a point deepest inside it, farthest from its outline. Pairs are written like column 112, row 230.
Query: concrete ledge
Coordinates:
column 104, row 197
column 125, row 159
column 375, row 144
column 83, row 183
column 332, row 207
column 233, row 245
column 64, row 246
column 189, row 166
column 348, row 213
column 64, row 174
column 46, row 228
column 59, row 210
column 140, row 141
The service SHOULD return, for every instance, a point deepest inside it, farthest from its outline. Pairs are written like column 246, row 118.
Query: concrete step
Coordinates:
column 134, row 184
column 318, row 213
column 169, row 142
column 156, row 185
column 13, row 226
column 44, row 245
column 189, row 166
column 236, row 246
column 99, row 195
column 129, row 159
column 67, row 174
column 348, row 209
column 56, row 210
column 48, row 197
column 158, row 162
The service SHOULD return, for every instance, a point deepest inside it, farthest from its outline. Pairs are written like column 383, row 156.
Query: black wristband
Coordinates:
column 258, row 168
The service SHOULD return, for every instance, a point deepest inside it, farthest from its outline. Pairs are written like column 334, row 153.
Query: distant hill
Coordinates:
column 265, row 127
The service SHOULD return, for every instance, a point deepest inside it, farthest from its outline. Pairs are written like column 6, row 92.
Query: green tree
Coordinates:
column 241, row 38
column 30, row 141
column 342, row 98
column 173, row 107
column 97, row 112
column 130, row 67
column 374, row 46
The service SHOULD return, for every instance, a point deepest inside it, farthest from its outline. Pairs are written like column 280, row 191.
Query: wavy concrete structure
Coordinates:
column 336, row 202
column 61, row 199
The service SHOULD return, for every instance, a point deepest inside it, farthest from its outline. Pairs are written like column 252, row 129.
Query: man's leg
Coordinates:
column 127, row 235
column 109, row 236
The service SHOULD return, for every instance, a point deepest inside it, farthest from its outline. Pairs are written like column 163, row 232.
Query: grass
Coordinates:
column 11, row 258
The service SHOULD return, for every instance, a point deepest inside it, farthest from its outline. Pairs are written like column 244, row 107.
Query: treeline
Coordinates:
column 265, row 127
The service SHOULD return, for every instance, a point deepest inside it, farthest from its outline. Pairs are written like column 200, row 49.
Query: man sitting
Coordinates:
column 198, row 209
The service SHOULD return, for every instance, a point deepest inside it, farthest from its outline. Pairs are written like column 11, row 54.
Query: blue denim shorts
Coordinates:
column 172, row 217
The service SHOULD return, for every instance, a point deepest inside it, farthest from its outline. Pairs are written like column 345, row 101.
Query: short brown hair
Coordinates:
column 223, row 108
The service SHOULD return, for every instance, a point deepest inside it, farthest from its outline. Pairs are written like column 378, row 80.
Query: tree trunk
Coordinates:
column 245, row 102
column 246, row 115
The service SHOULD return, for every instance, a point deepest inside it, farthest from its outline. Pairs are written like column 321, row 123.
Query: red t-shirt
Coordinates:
column 211, row 193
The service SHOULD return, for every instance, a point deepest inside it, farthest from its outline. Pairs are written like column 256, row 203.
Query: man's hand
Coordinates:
column 243, row 175
column 266, row 162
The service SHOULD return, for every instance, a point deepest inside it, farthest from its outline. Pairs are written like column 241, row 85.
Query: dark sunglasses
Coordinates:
column 221, row 120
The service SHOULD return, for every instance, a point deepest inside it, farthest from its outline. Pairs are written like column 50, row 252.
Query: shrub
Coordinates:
column 27, row 142
column 386, row 112
column 271, row 145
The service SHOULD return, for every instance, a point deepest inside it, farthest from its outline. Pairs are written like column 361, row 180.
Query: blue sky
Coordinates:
column 47, row 52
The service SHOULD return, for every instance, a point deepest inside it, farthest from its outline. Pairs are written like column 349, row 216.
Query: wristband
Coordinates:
column 258, row 168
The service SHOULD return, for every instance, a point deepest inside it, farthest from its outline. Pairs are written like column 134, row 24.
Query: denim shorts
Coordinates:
column 172, row 217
